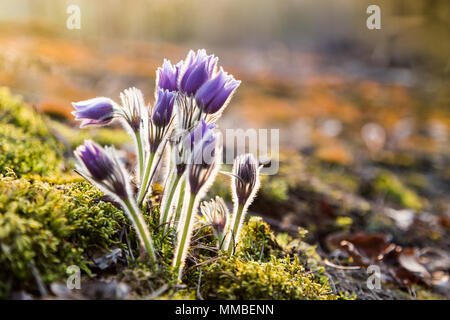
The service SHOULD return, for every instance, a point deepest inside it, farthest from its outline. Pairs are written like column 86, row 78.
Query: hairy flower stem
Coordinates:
column 185, row 237
column 235, row 229
column 140, row 154
column 141, row 229
column 179, row 207
column 173, row 184
column 145, row 180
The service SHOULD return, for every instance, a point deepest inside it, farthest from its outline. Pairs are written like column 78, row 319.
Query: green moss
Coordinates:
column 50, row 227
column 15, row 112
column 26, row 145
column 262, row 269
column 96, row 223
column 33, row 229
column 258, row 241
column 389, row 185
column 274, row 188
column 283, row 278
column 26, row 154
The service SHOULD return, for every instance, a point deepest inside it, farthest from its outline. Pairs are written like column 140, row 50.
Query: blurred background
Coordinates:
column 364, row 115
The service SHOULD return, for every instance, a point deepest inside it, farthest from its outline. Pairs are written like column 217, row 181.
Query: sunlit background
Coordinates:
column 298, row 59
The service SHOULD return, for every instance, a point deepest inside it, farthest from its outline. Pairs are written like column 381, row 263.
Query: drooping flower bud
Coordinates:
column 167, row 76
column 97, row 111
column 197, row 69
column 103, row 168
column 214, row 94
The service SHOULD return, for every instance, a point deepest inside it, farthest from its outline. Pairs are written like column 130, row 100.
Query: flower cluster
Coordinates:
column 190, row 97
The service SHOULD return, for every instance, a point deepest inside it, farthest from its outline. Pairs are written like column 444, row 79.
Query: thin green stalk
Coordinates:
column 141, row 229
column 235, row 229
column 179, row 207
column 171, row 192
column 140, row 154
column 185, row 237
column 145, row 180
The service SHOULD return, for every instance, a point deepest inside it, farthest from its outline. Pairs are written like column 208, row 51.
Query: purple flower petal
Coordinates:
column 213, row 95
column 198, row 68
column 167, row 76
column 94, row 111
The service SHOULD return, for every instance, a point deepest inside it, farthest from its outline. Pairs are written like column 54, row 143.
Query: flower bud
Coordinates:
column 97, row 111
column 103, row 168
column 245, row 181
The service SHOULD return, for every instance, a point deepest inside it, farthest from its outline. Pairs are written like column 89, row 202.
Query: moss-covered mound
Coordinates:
column 26, row 145
column 45, row 227
column 263, row 267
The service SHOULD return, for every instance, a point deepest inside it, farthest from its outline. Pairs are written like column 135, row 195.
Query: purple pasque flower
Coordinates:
column 214, row 93
column 163, row 109
column 203, row 156
column 103, row 168
column 167, row 75
column 245, row 181
column 197, row 69
column 98, row 111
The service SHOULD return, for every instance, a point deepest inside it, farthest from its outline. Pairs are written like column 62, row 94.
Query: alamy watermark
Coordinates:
column 74, row 19
column 374, row 280
column 374, row 20
column 74, row 279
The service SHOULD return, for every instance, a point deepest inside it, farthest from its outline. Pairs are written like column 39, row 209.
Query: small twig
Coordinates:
column 330, row 264
column 128, row 244
column 158, row 292
column 262, row 252
column 200, row 246
column 197, row 230
column 204, row 262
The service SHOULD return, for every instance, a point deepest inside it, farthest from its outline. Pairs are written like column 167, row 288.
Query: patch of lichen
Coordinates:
column 262, row 268
column 47, row 227
column 26, row 145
